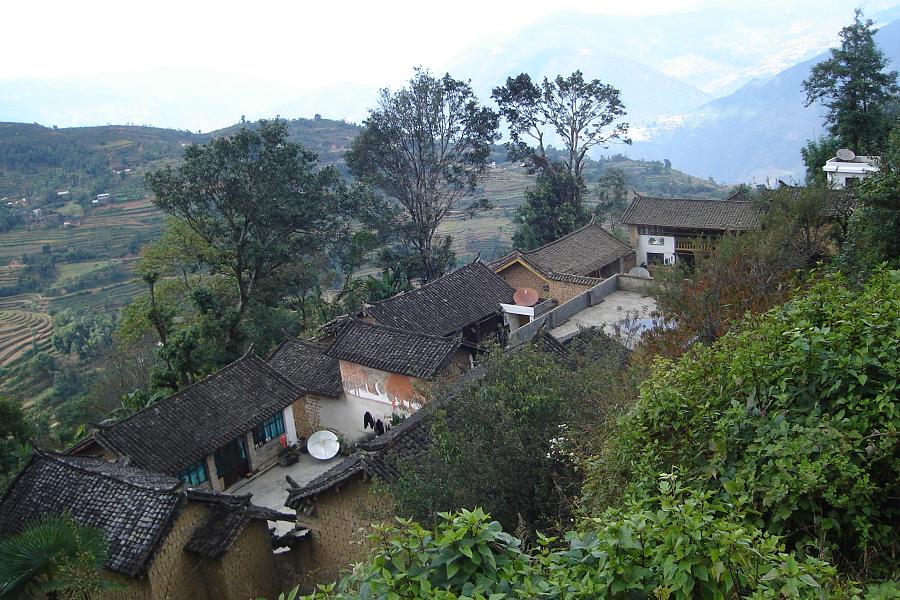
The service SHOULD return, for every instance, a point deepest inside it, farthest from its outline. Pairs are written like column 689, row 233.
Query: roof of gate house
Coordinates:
column 447, row 304
column 578, row 253
column 185, row 427
column 307, row 366
column 392, row 350
column 715, row 215
column 377, row 458
column 134, row 508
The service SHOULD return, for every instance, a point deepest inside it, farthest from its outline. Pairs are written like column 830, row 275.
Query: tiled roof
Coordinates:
column 377, row 458
column 307, row 366
column 392, row 350
column 516, row 255
column 579, row 253
column 133, row 508
column 181, row 429
column 446, row 305
column 713, row 215
column 228, row 518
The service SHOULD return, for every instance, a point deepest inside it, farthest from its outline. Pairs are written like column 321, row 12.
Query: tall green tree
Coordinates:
column 612, row 192
column 426, row 147
column 249, row 207
column 15, row 432
column 854, row 86
column 580, row 115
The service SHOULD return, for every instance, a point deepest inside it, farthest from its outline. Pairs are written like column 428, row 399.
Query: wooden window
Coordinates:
column 271, row 429
column 194, row 474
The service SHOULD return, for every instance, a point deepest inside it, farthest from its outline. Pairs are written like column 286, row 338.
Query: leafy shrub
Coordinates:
column 676, row 545
column 793, row 419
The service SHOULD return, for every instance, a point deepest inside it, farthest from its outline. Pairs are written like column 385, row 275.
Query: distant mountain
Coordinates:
column 754, row 133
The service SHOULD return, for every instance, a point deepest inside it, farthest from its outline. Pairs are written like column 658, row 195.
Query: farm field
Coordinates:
column 25, row 324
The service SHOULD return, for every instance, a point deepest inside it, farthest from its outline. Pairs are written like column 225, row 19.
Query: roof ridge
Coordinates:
column 209, row 377
column 706, row 200
column 60, row 458
column 443, row 338
column 475, row 262
column 563, row 237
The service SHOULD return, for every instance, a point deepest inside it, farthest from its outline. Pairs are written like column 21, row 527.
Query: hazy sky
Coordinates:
column 315, row 43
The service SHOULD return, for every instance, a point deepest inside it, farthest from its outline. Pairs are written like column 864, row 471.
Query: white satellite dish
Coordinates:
column 323, row 445
column 846, row 154
column 640, row 272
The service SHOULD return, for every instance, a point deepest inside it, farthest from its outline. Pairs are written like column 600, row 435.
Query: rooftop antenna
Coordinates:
column 846, row 154
column 323, row 445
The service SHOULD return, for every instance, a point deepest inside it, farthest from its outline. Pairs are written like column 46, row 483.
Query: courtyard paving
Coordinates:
column 615, row 308
column 269, row 488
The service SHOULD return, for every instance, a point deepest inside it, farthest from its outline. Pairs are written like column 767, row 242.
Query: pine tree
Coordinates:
column 853, row 85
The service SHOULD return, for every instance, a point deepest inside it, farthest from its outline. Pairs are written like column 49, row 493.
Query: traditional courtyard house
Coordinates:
column 568, row 266
column 164, row 540
column 342, row 502
column 212, row 433
column 383, row 372
column 308, row 367
column 465, row 302
column 668, row 230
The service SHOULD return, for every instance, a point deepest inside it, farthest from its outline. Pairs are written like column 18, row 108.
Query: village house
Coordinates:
column 846, row 168
column 669, row 230
column 165, row 540
column 340, row 505
column 383, row 373
column 463, row 303
column 568, row 266
column 306, row 365
column 212, row 433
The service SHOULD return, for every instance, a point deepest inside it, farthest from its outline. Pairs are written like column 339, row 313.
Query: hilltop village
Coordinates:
column 209, row 493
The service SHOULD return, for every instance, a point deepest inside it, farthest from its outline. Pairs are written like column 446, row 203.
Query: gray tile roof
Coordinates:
column 577, row 254
column 307, row 366
column 446, row 305
column 134, row 508
column 228, row 518
column 185, row 427
column 392, row 350
column 710, row 215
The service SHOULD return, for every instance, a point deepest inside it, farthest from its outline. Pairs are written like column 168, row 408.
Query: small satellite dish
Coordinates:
column 525, row 297
column 640, row 272
column 846, row 154
column 323, row 445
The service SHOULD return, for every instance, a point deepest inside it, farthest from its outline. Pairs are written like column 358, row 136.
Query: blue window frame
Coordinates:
column 271, row 429
column 194, row 474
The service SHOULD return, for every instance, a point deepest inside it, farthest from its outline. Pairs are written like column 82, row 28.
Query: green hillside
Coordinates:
column 50, row 180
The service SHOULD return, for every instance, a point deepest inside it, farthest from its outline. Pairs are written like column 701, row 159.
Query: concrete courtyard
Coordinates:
column 615, row 307
column 269, row 488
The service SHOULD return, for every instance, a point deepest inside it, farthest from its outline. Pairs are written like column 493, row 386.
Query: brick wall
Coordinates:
column 172, row 573
column 306, row 414
column 340, row 523
column 247, row 570
column 563, row 292
column 518, row 276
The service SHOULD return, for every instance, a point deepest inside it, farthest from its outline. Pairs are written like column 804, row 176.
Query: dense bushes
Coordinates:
column 793, row 419
column 676, row 545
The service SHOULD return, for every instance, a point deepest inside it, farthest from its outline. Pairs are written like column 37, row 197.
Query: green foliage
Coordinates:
column 54, row 556
column 872, row 237
column 675, row 545
column 583, row 115
column 815, row 153
column 522, row 414
column 426, row 147
column 612, row 192
column 854, row 87
column 793, row 418
column 549, row 212
column 15, row 432
column 88, row 335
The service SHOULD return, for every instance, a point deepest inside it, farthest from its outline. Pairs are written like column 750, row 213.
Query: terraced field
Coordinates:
column 107, row 231
column 24, row 324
